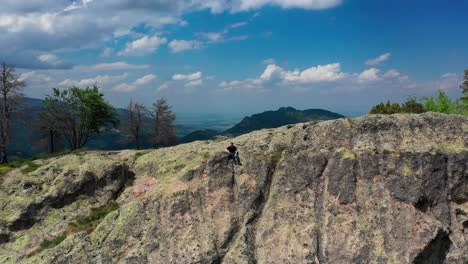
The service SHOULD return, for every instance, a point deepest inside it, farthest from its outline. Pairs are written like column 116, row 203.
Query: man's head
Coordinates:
column 232, row 144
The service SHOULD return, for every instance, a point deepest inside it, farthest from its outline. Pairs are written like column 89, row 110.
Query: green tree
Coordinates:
column 464, row 98
column 78, row 114
column 441, row 103
column 412, row 106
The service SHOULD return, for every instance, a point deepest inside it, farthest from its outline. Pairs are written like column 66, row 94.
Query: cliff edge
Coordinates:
column 375, row 189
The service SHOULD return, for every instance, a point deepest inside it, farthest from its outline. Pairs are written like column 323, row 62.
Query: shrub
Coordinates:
column 441, row 103
column 90, row 222
column 54, row 242
column 275, row 158
column 412, row 106
column 30, row 167
column 139, row 154
column 206, row 155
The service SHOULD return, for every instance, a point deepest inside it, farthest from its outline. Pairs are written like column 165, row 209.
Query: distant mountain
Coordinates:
column 25, row 139
column 269, row 119
column 206, row 134
column 281, row 117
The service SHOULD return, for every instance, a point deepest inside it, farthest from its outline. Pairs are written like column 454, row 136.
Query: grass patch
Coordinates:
column 206, row 155
column 87, row 224
column 54, row 242
column 90, row 222
column 29, row 163
column 4, row 169
column 275, row 158
column 139, row 154
column 30, row 167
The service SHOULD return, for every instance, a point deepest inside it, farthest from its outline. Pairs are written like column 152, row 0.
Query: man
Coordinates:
column 233, row 154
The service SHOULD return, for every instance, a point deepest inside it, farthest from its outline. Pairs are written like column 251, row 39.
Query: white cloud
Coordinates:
column 187, row 77
column 107, row 52
column 392, row 74
column 369, row 75
column 119, row 65
column 211, row 36
column 449, row 75
column 379, row 59
column 238, row 24
column 69, row 25
column 275, row 74
column 304, row 4
column 189, row 81
column 449, row 81
column 321, row 76
column 163, row 87
column 100, row 80
column 126, row 88
column 48, row 58
column 320, row 73
column 269, row 61
column 239, row 38
column 145, row 79
column 143, row 46
column 194, row 83
column 183, row 45
column 35, row 77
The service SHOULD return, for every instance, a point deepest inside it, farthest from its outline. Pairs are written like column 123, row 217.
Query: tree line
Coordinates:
column 440, row 103
column 72, row 117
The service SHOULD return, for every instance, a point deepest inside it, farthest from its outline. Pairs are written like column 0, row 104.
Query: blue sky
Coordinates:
column 239, row 56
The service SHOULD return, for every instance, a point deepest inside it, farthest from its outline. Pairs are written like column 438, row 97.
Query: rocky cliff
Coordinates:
column 376, row 189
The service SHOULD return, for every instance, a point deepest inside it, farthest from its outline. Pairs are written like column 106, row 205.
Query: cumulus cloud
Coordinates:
column 100, row 80
column 449, row 81
column 63, row 24
column 187, row 77
column 211, row 36
column 379, row 59
column 320, row 73
column 183, row 45
column 35, row 78
column 328, row 75
column 48, row 58
column 269, row 61
column 392, row 74
column 119, row 65
column 190, row 80
column 369, row 75
column 143, row 46
column 274, row 74
column 145, row 79
column 107, row 52
column 238, row 24
column 126, row 88
column 304, row 4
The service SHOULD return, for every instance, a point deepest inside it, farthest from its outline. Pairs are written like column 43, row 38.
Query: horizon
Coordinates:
column 239, row 57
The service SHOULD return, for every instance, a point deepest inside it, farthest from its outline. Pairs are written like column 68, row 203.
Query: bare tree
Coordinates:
column 134, row 123
column 163, row 127
column 10, row 93
column 44, row 128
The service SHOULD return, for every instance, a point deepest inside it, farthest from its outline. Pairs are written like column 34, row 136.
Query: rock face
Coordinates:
column 376, row 189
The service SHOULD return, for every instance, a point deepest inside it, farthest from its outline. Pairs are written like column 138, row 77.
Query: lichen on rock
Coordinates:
column 375, row 189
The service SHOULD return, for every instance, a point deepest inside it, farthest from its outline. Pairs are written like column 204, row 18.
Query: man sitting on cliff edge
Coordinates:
column 233, row 154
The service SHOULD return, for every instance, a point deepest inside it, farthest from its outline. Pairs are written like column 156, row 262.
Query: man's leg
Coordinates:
column 237, row 158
